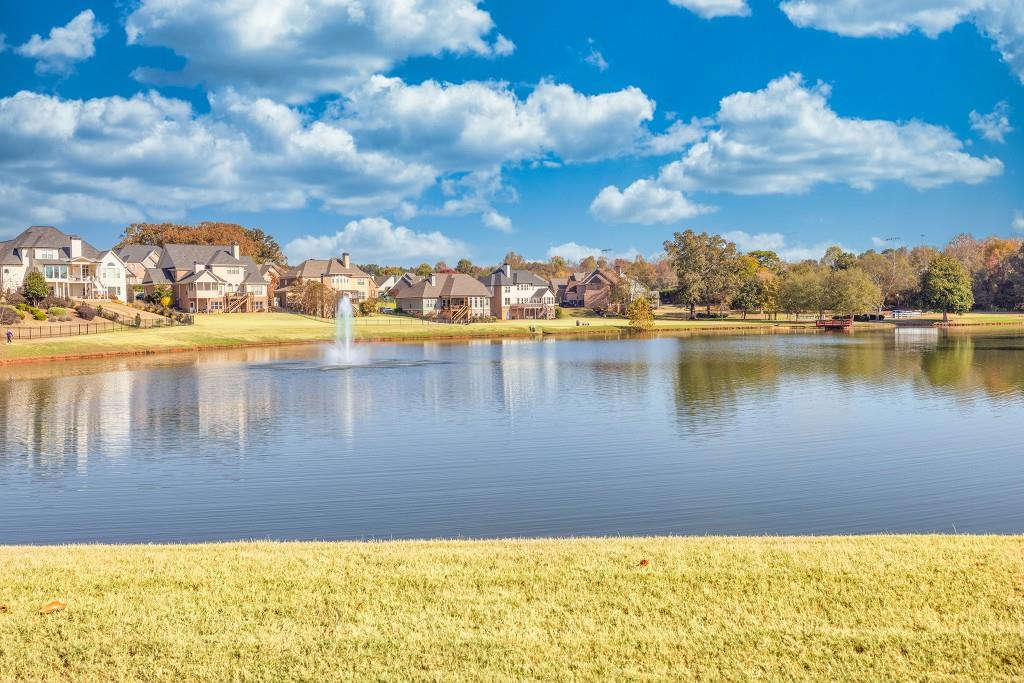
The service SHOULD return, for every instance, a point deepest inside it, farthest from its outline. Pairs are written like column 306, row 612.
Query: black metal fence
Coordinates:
column 110, row 322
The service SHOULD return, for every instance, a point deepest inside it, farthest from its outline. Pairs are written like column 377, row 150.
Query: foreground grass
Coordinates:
column 855, row 608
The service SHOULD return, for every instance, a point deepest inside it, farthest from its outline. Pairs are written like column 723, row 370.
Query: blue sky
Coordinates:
column 408, row 132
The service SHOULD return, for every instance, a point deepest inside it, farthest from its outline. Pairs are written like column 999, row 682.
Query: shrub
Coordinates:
column 21, row 306
column 559, row 312
column 14, row 298
column 138, row 320
column 38, row 315
column 58, row 311
column 8, row 315
column 58, row 301
column 86, row 312
column 368, row 306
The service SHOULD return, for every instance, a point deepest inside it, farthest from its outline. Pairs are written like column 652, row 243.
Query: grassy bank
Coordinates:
column 855, row 608
column 254, row 329
column 224, row 331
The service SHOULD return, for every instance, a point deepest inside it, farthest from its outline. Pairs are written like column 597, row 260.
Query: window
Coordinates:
column 361, row 282
column 216, row 305
column 55, row 272
column 233, row 271
column 508, row 301
column 46, row 253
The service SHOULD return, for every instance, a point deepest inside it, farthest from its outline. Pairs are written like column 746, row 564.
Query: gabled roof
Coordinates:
column 500, row 278
column 7, row 255
column 185, row 256
column 445, row 285
column 199, row 274
column 137, row 253
column 252, row 277
column 382, row 280
column 155, row 276
column 47, row 237
column 316, row 268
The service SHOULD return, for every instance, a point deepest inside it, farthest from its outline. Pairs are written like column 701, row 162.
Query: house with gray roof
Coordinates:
column 206, row 278
column 138, row 258
column 519, row 294
column 337, row 273
column 447, row 297
column 71, row 266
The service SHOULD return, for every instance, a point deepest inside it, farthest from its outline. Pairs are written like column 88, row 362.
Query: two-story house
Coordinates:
column 209, row 279
column 595, row 290
column 519, row 295
column 139, row 258
column 71, row 266
column 337, row 273
column 450, row 297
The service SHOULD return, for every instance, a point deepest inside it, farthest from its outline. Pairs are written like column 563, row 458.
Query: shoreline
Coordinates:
column 600, row 328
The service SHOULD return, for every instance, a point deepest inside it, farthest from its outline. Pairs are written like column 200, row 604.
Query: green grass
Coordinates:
column 852, row 608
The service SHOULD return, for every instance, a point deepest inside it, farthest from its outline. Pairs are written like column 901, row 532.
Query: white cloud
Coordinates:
column 595, row 58
column 1018, row 221
column 1001, row 20
column 476, row 124
column 678, row 137
column 644, row 202
column 995, row 125
column 154, row 157
column 65, row 46
column 377, row 240
column 295, row 50
column 496, row 221
column 775, row 241
column 786, row 139
column 571, row 251
column 709, row 9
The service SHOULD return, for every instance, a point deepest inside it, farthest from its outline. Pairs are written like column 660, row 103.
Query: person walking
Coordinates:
column 10, row 337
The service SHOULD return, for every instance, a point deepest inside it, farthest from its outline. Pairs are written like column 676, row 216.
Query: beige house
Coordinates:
column 519, row 295
column 139, row 258
column 338, row 274
column 209, row 279
column 72, row 267
column 594, row 290
column 448, row 297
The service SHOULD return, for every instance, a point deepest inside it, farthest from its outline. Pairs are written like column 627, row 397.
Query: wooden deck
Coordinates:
column 834, row 324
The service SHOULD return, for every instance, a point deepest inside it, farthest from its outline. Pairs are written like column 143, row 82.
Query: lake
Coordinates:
column 915, row 430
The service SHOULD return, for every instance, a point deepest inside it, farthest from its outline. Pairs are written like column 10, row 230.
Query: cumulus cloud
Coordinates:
column 571, row 251
column 66, row 45
column 378, row 240
column 709, row 9
column 644, row 202
column 496, row 221
column 786, row 139
column 1001, row 20
column 995, row 125
column 776, row 241
column 1018, row 221
column 480, row 124
column 154, row 157
column 295, row 50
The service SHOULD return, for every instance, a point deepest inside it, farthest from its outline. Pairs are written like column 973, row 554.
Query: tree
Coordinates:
column 441, row 267
column 837, row 259
column 706, row 266
column 465, row 266
column 851, row 291
column 946, row 286
column 802, row 289
column 767, row 259
column 642, row 271
column 423, row 270
column 251, row 242
column 641, row 316
column 160, row 292
column 514, row 259
column 34, row 287
column 588, row 264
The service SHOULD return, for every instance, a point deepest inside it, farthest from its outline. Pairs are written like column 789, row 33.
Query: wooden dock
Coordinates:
column 834, row 324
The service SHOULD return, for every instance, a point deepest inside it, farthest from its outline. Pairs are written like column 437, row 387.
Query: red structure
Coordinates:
column 834, row 324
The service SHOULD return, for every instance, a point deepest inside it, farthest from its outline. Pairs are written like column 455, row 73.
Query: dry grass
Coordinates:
column 857, row 608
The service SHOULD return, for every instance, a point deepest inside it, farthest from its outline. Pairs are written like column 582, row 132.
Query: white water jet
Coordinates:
column 342, row 353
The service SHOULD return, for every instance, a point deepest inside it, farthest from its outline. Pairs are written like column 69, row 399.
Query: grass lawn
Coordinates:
column 851, row 608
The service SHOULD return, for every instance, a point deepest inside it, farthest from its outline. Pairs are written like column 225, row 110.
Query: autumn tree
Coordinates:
column 252, row 242
column 706, row 267
column 640, row 314
column 423, row 270
column 850, row 292
column 465, row 266
column 802, row 290
column 946, row 286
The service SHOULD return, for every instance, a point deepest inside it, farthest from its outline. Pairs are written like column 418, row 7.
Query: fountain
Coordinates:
column 342, row 353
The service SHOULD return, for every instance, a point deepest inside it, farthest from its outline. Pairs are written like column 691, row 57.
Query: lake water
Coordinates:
column 912, row 431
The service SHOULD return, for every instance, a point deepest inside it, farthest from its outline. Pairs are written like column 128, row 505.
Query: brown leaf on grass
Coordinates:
column 52, row 606
column 644, row 562
column 3, row 609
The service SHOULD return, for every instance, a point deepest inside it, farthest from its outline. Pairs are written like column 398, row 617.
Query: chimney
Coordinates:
column 433, row 280
column 344, row 260
column 76, row 246
column 508, row 269
column 235, row 251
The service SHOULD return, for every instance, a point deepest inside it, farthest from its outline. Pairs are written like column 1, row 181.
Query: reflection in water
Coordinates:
column 912, row 431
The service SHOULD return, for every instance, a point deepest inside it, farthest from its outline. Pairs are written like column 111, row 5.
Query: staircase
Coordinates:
column 459, row 314
column 243, row 301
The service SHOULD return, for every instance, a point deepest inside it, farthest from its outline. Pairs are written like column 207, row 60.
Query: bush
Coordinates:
column 138, row 320
column 37, row 314
column 8, row 315
column 559, row 312
column 368, row 306
column 22, row 306
column 58, row 311
column 58, row 301
column 86, row 312
column 14, row 298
